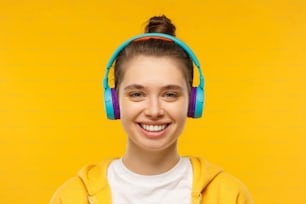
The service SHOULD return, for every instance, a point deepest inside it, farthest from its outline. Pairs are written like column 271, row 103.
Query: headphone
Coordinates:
column 196, row 101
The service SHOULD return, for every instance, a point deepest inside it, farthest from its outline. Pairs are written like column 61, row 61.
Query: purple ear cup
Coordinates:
column 192, row 102
column 115, row 104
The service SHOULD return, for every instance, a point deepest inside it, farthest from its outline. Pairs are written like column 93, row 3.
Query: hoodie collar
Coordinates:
column 203, row 174
column 94, row 178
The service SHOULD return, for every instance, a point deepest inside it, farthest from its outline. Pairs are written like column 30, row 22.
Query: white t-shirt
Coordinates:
column 173, row 186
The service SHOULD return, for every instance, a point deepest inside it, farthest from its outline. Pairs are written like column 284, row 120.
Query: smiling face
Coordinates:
column 153, row 100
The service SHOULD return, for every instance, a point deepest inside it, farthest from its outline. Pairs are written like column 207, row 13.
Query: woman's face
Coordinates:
column 153, row 99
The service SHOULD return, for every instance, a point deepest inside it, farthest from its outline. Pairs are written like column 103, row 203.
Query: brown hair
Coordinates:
column 155, row 47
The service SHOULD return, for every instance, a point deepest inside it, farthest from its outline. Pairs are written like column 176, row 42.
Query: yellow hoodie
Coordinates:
column 211, row 185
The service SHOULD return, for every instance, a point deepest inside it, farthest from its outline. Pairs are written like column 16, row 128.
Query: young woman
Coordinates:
column 153, row 96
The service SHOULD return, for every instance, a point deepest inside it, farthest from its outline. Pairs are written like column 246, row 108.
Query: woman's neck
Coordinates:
column 145, row 162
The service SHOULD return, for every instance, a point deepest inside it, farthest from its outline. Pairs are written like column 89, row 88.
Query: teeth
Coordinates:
column 153, row 128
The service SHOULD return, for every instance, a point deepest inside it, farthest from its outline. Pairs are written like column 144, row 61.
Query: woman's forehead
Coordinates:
column 148, row 69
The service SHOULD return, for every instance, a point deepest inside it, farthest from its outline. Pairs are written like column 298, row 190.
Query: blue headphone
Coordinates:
column 196, row 102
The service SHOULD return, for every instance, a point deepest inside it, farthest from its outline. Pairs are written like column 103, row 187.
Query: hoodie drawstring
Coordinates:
column 92, row 199
column 200, row 198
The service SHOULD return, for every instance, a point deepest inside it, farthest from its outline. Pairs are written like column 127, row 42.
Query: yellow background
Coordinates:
column 52, row 120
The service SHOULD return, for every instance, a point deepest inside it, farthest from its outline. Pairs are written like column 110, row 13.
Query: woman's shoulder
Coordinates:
column 89, row 181
column 229, row 188
column 214, row 183
column 71, row 191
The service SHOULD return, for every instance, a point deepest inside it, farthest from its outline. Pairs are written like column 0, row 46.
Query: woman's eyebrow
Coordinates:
column 172, row 87
column 133, row 86
column 140, row 87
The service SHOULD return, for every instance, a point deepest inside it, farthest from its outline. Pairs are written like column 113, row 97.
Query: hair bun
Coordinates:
column 160, row 24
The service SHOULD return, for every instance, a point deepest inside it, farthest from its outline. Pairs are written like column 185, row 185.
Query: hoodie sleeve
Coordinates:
column 244, row 197
column 226, row 189
column 71, row 192
column 55, row 199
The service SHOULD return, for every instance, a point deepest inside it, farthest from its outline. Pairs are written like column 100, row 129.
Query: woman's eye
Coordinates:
column 171, row 95
column 135, row 94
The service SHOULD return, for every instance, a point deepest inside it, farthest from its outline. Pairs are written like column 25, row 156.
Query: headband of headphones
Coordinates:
column 161, row 35
column 197, row 93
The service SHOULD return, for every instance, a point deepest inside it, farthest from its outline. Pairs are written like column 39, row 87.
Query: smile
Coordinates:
column 153, row 128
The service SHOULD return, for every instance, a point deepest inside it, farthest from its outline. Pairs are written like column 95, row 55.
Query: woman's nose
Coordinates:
column 154, row 108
